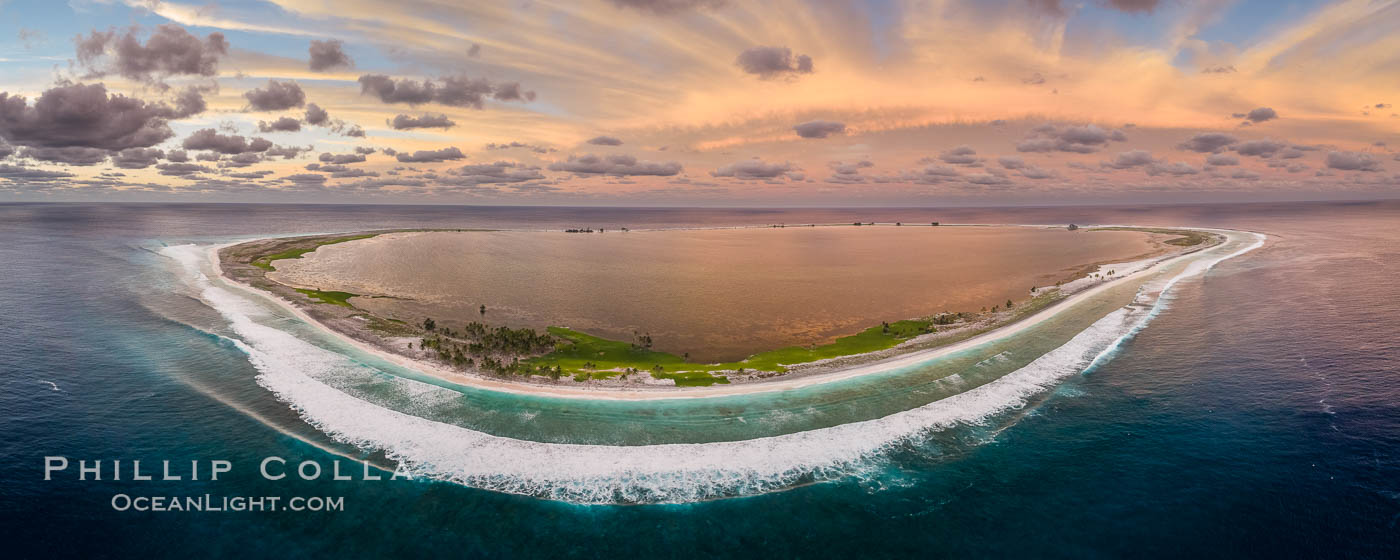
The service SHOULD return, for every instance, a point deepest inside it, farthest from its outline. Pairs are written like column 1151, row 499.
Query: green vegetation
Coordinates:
column 265, row 262
column 495, row 350
column 1188, row 238
column 585, row 356
column 333, row 298
column 391, row 327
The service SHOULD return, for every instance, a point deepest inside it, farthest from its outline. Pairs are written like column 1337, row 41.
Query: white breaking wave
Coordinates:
column 666, row 473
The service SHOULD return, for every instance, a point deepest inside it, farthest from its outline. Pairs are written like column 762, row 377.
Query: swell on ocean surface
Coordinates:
column 295, row 371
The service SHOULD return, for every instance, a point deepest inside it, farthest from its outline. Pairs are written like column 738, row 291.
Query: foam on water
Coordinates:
column 293, row 370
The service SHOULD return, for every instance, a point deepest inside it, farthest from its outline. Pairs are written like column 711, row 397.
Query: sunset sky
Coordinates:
column 700, row 102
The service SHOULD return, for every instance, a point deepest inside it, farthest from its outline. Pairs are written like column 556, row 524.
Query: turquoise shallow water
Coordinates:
column 1255, row 416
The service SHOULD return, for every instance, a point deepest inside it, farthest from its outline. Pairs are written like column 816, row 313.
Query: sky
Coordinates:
column 700, row 102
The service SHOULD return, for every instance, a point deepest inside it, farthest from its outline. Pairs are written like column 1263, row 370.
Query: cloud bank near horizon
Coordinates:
column 684, row 101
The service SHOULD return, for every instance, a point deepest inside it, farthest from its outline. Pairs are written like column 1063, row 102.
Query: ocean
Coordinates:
column 1255, row 415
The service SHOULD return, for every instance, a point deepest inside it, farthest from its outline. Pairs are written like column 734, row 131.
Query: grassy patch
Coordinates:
column 333, row 298
column 868, row 340
column 585, row 356
column 265, row 262
column 391, row 327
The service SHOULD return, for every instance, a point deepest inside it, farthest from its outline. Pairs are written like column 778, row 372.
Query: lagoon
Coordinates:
column 715, row 294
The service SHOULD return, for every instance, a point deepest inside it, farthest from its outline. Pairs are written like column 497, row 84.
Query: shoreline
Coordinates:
column 868, row 363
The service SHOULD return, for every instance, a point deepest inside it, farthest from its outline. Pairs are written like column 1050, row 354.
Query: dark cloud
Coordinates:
column 1177, row 169
column 277, row 96
column 1056, row 7
column 284, row 124
column 531, row 147
column 1033, row 172
column 1012, row 162
column 1222, row 160
column 773, row 62
column 431, row 156
column 1261, row 114
column 402, row 91
column 1352, row 161
column 1226, row 69
column 1052, row 7
column 1259, row 148
column 364, row 150
column 617, row 165
column 848, row 173
column 511, row 92
column 405, row 122
column 353, row 173
column 753, row 169
column 455, row 91
column 987, row 179
column 284, row 152
column 819, row 129
column 605, row 141
column 6, row 150
column 169, row 51
column 26, row 174
column 1131, row 159
column 259, row 174
column 664, row 7
column 189, row 102
column 931, row 175
column 1207, row 142
column 77, row 115
column 69, row 155
column 177, row 156
column 241, row 160
column 182, row 169
column 325, row 55
column 353, row 131
column 305, row 179
column 315, row 115
column 208, row 139
column 474, row 51
column 961, row 155
column 1134, row 5
column 501, row 172
column 341, row 159
column 137, row 158
column 1076, row 139
column 842, row 168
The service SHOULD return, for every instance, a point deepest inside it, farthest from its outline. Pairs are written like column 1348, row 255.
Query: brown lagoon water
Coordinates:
column 718, row 294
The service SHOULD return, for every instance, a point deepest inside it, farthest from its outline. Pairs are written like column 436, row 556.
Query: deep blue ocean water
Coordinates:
column 1259, row 416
